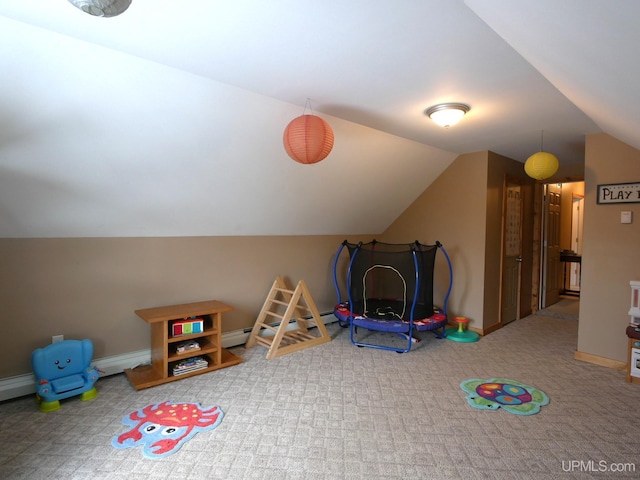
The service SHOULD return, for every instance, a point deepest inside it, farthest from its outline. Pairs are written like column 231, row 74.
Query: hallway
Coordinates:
column 567, row 308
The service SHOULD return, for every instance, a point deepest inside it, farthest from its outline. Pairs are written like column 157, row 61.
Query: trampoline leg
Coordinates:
column 406, row 337
column 443, row 332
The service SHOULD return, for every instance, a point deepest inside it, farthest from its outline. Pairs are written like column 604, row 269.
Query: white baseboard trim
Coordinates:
column 21, row 385
column 17, row 386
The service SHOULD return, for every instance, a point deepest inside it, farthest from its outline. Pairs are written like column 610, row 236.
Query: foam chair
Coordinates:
column 64, row 370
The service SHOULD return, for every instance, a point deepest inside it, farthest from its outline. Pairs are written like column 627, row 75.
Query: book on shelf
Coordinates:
column 182, row 372
column 188, row 370
column 189, row 365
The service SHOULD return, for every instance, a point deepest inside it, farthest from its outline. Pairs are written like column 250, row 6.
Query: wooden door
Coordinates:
column 511, row 251
column 552, row 267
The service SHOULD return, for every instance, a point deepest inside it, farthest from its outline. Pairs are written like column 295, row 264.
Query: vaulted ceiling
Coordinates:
column 167, row 120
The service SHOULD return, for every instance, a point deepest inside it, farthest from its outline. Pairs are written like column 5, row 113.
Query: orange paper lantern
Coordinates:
column 308, row 139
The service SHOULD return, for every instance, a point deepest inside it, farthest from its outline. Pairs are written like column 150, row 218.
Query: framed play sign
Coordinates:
column 619, row 193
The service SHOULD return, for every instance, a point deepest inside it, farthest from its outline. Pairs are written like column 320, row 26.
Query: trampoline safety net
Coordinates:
column 388, row 280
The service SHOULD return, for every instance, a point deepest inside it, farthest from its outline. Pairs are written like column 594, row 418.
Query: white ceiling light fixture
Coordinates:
column 447, row 114
column 102, row 8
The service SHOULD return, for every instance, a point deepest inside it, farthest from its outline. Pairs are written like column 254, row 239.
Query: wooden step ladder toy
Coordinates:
column 295, row 304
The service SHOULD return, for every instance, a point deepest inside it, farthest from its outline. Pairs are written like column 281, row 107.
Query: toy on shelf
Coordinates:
column 63, row 370
column 188, row 346
column 187, row 326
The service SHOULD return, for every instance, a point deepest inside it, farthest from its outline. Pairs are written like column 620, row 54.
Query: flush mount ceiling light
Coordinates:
column 447, row 114
column 102, row 8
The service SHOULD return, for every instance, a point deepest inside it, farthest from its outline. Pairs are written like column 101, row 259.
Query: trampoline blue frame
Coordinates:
column 403, row 328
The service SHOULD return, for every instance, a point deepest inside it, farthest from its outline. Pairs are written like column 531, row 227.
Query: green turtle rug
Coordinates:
column 514, row 397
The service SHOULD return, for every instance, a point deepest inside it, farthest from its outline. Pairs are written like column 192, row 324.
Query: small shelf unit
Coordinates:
column 164, row 345
column 633, row 355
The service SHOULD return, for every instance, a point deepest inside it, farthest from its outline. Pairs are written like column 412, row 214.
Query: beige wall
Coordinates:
column 611, row 250
column 463, row 210
column 90, row 287
column 453, row 211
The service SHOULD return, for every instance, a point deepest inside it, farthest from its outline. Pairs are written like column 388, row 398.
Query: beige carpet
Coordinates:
column 340, row 412
column 568, row 308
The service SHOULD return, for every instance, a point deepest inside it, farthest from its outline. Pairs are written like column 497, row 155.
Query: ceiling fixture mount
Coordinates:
column 102, row 8
column 542, row 164
column 447, row 114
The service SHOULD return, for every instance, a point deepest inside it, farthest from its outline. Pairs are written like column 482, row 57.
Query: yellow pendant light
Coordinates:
column 542, row 164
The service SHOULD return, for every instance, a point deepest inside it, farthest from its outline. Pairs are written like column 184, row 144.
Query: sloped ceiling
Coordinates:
column 167, row 120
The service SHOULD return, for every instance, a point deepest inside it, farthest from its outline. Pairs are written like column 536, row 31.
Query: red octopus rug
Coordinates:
column 509, row 395
column 161, row 429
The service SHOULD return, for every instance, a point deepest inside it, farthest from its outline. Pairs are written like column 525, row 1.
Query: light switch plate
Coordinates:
column 626, row 217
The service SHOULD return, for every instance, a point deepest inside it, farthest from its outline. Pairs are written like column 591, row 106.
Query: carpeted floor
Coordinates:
column 568, row 308
column 340, row 412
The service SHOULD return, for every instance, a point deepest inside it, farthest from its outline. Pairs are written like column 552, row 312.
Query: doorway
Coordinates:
column 577, row 219
column 560, row 241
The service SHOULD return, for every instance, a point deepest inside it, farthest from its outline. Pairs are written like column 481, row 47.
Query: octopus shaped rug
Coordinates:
column 512, row 396
column 161, row 429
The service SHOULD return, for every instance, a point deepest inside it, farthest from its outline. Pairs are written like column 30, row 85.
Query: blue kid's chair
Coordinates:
column 63, row 370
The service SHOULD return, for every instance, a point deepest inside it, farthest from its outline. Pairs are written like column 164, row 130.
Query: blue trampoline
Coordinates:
column 390, row 289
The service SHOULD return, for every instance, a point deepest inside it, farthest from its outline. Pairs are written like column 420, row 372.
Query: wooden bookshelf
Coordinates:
column 634, row 343
column 164, row 354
